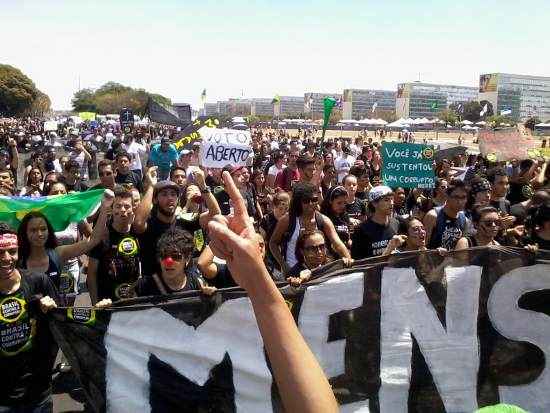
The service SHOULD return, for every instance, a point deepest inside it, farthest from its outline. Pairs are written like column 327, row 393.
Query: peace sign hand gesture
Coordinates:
column 233, row 239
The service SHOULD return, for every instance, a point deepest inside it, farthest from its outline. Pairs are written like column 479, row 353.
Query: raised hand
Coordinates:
column 233, row 239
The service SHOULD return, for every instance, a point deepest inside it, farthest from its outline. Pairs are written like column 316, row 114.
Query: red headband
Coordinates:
column 8, row 241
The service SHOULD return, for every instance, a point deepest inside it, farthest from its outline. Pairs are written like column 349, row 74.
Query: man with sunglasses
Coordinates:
column 27, row 350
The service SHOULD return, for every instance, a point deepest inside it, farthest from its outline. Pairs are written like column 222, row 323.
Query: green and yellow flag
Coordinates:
column 276, row 99
column 60, row 210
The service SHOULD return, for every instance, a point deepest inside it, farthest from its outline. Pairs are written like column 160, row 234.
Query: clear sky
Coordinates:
column 263, row 48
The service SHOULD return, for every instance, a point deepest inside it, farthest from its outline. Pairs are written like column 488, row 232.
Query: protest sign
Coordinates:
column 126, row 120
column 506, row 144
column 50, row 126
column 87, row 115
column 412, row 332
column 191, row 134
column 222, row 147
column 407, row 165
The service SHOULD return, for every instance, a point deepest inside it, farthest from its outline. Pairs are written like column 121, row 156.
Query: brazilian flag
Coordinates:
column 276, row 99
column 60, row 210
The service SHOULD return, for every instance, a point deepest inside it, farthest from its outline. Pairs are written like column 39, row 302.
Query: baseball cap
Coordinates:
column 185, row 152
column 165, row 185
column 379, row 192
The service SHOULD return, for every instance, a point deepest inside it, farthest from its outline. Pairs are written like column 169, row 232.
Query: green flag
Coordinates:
column 276, row 99
column 434, row 105
column 60, row 210
column 328, row 104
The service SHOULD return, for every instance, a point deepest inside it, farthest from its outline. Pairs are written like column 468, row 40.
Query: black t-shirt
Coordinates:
column 370, row 239
column 78, row 186
column 447, row 230
column 296, row 270
column 155, row 229
column 341, row 225
column 361, row 195
column 223, row 199
column 27, row 349
column 147, row 286
column 544, row 244
column 502, row 205
column 223, row 278
column 357, row 208
column 119, row 265
column 519, row 192
column 130, row 178
column 520, row 212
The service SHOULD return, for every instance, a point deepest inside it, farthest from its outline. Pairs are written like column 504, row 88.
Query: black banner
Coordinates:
column 160, row 113
column 411, row 332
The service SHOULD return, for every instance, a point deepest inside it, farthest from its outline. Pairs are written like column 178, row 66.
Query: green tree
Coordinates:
column 112, row 97
column 531, row 122
column 448, row 116
column 18, row 94
column 471, row 111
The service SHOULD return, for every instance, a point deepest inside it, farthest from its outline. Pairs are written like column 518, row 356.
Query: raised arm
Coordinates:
column 295, row 368
column 146, row 204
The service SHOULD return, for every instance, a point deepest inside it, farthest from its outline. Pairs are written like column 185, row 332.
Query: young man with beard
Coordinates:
column 371, row 238
column 114, row 264
column 27, row 350
column 156, row 214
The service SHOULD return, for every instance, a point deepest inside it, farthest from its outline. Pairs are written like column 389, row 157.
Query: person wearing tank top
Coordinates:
column 303, row 216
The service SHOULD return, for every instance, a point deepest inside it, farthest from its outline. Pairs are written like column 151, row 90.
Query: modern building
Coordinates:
column 365, row 103
column 290, row 106
column 313, row 103
column 261, row 106
column 518, row 96
column 425, row 100
column 210, row 109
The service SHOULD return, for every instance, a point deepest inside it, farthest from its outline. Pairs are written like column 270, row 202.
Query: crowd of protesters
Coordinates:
column 306, row 204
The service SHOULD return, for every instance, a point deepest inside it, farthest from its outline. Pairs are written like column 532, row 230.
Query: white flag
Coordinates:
column 505, row 112
column 484, row 110
column 374, row 106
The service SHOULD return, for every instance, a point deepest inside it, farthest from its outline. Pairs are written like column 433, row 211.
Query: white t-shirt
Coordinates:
column 274, row 171
column 135, row 150
column 81, row 159
column 343, row 165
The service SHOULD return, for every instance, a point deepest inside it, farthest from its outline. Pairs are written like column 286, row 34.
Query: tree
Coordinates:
column 531, row 122
column 471, row 111
column 490, row 111
column 448, row 116
column 18, row 94
column 498, row 120
column 112, row 97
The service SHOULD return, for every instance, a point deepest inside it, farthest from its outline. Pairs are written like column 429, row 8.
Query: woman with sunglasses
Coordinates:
column 486, row 221
column 302, row 216
column 311, row 252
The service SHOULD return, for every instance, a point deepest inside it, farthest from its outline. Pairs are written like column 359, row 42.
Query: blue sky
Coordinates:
column 263, row 48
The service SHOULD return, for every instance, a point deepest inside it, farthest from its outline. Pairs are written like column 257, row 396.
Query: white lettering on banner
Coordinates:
column 451, row 354
column 320, row 301
column 222, row 147
column 192, row 352
column 523, row 325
